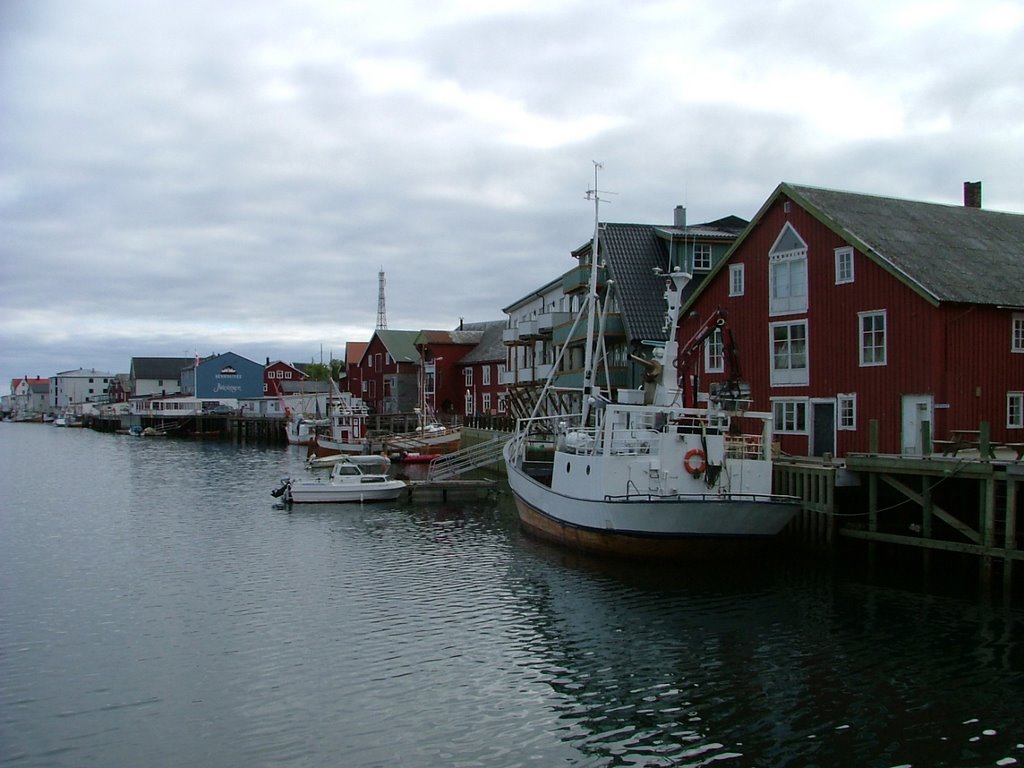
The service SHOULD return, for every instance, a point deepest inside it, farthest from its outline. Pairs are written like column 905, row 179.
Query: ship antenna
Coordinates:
column 588, row 352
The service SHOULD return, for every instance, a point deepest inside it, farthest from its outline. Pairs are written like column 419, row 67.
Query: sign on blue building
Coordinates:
column 229, row 376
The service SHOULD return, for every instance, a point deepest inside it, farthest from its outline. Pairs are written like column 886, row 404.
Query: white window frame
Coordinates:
column 789, row 416
column 787, row 296
column 844, row 265
column 788, row 302
column 703, row 252
column 502, row 397
column 1015, row 410
column 789, row 375
column 485, row 375
column 714, row 353
column 469, row 402
column 736, row 281
column 1017, row 333
column 485, row 402
column 467, row 376
column 874, row 359
column 846, row 412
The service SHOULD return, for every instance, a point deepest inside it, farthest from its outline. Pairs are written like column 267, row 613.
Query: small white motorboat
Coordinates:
column 327, row 462
column 357, row 478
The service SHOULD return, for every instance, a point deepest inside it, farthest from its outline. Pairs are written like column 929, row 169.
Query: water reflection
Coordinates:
column 771, row 663
column 159, row 610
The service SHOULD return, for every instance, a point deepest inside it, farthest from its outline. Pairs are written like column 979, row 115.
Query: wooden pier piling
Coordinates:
column 948, row 501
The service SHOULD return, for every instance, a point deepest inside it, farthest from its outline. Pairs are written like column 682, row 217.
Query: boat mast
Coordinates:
column 588, row 352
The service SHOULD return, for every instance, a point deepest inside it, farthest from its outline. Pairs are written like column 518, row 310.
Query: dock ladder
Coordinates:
column 466, row 459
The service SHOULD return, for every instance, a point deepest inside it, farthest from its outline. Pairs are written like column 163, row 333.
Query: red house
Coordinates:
column 441, row 380
column 388, row 372
column 847, row 308
column 353, row 380
column 483, row 372
column 279, row 371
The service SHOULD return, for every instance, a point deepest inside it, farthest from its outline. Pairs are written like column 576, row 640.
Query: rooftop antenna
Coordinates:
column 382, row 315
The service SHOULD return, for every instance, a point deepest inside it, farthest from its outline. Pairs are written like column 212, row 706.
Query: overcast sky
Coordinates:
column 182, row 177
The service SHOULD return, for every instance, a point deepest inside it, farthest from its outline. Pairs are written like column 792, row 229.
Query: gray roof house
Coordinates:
column 157, row 375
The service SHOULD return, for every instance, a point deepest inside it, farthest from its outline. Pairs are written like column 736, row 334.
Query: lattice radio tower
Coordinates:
column 382, row 315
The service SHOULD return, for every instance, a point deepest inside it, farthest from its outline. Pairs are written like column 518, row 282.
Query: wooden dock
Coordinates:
column 965, row 501
column 450, row 487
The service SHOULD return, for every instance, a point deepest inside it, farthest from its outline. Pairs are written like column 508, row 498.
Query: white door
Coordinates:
column 917, row 411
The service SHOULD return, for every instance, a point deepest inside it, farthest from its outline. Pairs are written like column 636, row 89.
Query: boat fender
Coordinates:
column 694, row 461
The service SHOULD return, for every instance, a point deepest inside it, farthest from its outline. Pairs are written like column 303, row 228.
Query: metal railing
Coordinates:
column 466, row 459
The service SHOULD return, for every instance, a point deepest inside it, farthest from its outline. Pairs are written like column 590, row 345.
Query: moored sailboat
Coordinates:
column 635, row 473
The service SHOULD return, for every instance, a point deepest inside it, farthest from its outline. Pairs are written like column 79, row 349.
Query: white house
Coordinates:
column 76, row 388
column 531, row 321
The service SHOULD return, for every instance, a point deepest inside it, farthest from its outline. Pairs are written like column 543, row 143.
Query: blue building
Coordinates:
column 226, row 377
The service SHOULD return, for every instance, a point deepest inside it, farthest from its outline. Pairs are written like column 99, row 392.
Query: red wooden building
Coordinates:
column 482, row 372
column 441, row 381
column 279, row 371
column 847, row 308
column 353, row 379
column 388, row 372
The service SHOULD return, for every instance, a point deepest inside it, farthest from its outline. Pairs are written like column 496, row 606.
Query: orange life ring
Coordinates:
column 691, row 467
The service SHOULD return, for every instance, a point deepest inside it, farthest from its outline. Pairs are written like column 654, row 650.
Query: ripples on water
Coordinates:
column 158, row 610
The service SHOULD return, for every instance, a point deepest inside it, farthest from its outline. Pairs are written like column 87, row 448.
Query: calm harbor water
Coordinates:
column 156, row 609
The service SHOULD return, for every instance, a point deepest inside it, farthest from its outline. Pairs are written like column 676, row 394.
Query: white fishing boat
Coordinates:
column 346, row 431
column 301, row 428
column 638, row 474
column 354, row 479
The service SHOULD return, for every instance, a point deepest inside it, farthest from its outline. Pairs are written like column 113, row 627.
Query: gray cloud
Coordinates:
column 187, row 176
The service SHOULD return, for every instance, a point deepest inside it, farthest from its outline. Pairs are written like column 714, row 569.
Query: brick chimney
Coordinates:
column 679, row 217
column 972, row 194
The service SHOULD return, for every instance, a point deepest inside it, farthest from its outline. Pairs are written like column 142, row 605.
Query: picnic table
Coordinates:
column 970, row 438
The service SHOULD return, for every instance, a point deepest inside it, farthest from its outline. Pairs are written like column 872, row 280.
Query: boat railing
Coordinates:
column 707, row 497
column 634, row 442
column 744, row 446
column 536, row 435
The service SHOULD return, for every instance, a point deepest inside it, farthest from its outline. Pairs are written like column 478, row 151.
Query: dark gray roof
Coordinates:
column 945, row 252
column 726, row 228
column 160, row 367
column 307, row 387
column 491, row 348
column 632, row 251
